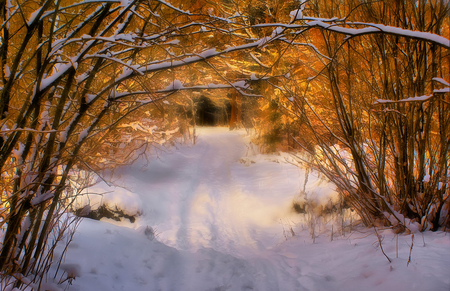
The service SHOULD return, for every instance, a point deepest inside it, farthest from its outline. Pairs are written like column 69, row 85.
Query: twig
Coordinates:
column 410, row 250
column 331, row 239
column 396, row 247
column 381, row 246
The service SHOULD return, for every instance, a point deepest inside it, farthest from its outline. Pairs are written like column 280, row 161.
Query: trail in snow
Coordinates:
column 203, row 197
column 223, row 225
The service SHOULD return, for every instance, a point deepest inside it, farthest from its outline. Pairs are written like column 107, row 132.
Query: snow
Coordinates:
column 218, row 216
column 17, row 154
column 59, row 70
column 380, row 28
column 110, row 196
column 296, row 14
column 277, row 31
column 208, row 53
column 81, row 78
column 41, row 198
column 442, row 81
column 90, row 97
column 124, row 3
column 125, row 36
column 72, row 270
column 83, row 134
column 175, row 85
column 186, row 59
column 241, row 84
column 33, row 16
column 174, row 8
column 175, row 42
column 7, row 71
column 419, row 98
column 409, row 99
column 443, row 90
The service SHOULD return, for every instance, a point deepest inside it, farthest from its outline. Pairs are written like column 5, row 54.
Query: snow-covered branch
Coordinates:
column 371, row 28
column 422, row 98
column 349, row 28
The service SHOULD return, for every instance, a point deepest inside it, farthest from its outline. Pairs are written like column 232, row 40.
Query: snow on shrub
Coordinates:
column 319, row 196
column 112, row 202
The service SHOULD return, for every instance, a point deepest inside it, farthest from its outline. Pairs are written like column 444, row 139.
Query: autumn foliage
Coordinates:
column 361, row 86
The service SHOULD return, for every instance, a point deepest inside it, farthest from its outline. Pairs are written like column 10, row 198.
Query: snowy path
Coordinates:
column 203, row 197
column 222, row 225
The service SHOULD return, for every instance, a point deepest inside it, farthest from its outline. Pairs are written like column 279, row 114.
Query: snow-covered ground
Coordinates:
column 223, row 220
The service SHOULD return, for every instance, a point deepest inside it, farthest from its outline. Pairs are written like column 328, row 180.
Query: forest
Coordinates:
column 356, row 90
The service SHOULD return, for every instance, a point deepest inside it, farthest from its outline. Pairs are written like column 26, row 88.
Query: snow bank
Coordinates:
column 112, row 197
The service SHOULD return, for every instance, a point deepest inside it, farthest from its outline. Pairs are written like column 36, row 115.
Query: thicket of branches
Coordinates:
column 80, row 79
column 372, row 109
column 72, row 74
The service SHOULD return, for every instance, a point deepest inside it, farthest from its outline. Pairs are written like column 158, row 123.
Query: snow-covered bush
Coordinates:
column 322, row 206
column 93, row 202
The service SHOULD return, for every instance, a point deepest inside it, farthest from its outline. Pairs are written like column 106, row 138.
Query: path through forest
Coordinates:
column 223, row 220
